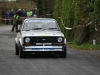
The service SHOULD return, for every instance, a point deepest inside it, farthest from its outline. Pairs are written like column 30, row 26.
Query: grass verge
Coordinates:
column 87, row 46
column 3, row 23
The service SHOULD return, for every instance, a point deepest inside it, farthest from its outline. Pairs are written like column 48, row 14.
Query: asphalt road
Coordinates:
column 76, row 63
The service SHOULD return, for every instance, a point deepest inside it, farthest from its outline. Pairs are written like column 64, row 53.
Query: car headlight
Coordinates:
column 60, row 39
column 27, row 40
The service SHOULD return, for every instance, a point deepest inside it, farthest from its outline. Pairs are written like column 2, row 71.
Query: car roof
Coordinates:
column 39, row 19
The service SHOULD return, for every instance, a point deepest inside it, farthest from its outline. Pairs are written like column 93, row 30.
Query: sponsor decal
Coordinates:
column 40, row 21
column 43, row 44
column 44, row 35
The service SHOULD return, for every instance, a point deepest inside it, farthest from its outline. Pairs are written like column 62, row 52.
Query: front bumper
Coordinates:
column 42, row 48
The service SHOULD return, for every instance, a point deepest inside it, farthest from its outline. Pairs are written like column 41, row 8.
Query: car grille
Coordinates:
column 44, row 40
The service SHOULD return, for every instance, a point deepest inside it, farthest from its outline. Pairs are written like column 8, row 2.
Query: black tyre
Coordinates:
column 16, row 49
column 64, row 53
column 22, row 54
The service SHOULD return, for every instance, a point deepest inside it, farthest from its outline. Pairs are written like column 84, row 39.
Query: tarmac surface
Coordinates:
column 92, row 52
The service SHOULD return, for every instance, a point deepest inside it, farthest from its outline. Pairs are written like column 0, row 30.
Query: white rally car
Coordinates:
column 40, row 35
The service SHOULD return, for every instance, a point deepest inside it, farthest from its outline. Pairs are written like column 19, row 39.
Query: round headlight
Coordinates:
column 60, row 39
column 27, row 40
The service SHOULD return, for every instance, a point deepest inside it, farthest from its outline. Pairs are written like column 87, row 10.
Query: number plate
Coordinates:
column 43, row 49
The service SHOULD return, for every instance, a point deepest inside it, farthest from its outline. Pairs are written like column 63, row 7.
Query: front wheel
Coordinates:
column 64, row 53
column 16, row 49
column 22, row 54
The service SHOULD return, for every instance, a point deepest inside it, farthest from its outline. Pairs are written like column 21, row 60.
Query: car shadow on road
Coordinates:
column 43, row 56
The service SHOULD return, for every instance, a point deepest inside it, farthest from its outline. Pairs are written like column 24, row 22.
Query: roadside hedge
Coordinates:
column 80, row 15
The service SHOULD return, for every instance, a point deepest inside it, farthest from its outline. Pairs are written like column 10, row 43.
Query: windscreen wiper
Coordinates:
column 36, row 28
column 52, row 28
column 33, row 29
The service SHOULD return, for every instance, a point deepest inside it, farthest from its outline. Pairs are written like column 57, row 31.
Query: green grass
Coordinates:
column 2, row 24
column 87, row 46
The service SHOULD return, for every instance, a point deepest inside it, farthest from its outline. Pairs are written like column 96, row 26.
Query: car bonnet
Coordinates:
column 43, row 33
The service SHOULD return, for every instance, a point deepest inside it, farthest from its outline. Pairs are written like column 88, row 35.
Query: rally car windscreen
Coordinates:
column 40, row 24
